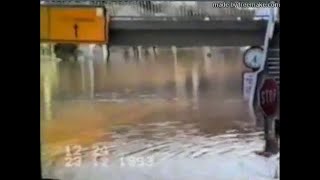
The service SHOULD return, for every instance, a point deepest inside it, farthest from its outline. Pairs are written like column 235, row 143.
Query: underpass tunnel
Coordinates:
column 207, row 62
column 198, row 73
column 193, row 68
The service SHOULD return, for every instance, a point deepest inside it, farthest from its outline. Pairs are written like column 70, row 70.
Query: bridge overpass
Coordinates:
column 140, row 23
column 180, row 24
column 187, row 32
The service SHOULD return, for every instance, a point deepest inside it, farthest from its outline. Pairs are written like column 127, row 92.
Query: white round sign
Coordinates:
column 253, row 57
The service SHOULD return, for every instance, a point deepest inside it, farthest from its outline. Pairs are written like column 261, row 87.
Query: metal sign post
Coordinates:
column 268, row 101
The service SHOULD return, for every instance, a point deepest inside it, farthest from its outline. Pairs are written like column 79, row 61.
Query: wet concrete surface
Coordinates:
column 176, row 114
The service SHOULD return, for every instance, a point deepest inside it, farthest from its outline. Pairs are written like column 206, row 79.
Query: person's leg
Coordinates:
column 271, row 140
column 277, row 128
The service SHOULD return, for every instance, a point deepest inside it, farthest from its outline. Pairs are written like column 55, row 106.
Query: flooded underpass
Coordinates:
column 161, row 113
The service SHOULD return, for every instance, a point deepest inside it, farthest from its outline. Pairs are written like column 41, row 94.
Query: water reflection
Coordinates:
column 170, row 104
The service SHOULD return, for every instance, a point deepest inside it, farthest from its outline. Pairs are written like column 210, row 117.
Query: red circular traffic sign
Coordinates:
column 268, row 96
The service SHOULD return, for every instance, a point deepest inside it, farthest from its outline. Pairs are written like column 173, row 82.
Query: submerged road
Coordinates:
column 178, row 116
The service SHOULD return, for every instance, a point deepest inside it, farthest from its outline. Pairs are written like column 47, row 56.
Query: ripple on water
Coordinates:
column 148, row 113
column 179, row 151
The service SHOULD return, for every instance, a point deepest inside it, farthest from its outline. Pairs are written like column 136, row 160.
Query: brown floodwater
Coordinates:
column 143, row 110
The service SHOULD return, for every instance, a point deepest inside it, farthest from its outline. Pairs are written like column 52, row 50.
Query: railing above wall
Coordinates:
column 66, row 1
column 179, row 9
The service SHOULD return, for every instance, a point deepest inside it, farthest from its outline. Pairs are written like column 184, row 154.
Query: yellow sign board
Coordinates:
column 73, row 24
column 44, row 23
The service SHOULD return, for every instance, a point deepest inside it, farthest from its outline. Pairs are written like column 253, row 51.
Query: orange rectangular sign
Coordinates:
column 44, row 26
column 73, row 24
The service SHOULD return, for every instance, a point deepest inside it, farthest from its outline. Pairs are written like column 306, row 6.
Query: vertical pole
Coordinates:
column 52, row 54
column 135, row 53
column 47, row 98
column 140, row 57
column 155, row 50
column 91, row 73
column 104, row 53
column 179, row 78
column 152, row 52
column 175, row 65
column 82, row 63
column 91, row 52
column 207, row 63
column 195, row 84
column 108, row 53
column 131, row 52
column 152, row 9
column 222, row 62
column 126, row 54
column 49, row 80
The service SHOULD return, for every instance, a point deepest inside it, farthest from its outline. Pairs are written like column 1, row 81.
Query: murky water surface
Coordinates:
column 163, row 114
